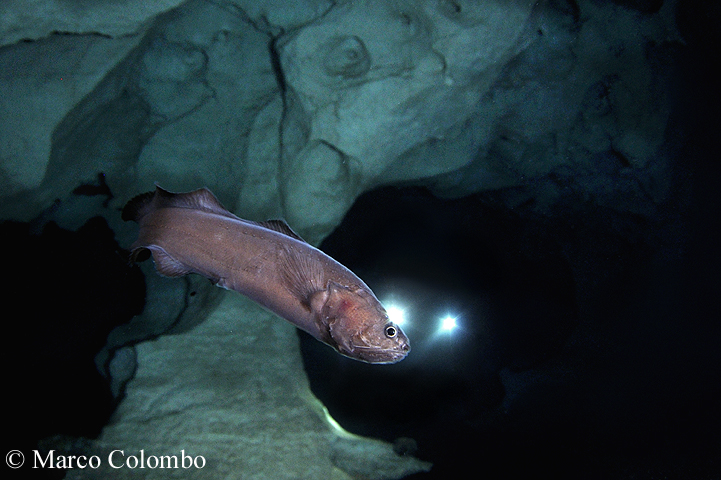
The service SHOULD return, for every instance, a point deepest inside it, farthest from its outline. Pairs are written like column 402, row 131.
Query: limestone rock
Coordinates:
column 35, row 19
column 40, row 83
column 292, row 109
column 372, row 80
column 233, row 391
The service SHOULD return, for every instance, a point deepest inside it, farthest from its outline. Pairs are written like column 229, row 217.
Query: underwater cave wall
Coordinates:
column 293, row 110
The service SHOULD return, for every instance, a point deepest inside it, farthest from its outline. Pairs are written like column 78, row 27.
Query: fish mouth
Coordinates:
column 380, row 355
column 394, row 357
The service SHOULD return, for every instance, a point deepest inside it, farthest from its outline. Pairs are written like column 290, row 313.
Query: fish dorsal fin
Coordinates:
column 281, row 227
column 200, row 199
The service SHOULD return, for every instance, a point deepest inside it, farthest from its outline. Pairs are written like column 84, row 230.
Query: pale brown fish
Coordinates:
column 266, row 261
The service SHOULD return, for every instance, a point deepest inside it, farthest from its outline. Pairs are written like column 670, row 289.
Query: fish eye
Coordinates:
column 391, row 331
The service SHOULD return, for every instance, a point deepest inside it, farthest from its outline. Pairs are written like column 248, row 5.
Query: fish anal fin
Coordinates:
column 166, row 265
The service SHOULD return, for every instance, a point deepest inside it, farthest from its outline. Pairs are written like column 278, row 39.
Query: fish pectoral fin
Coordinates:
column 302, row 275
column 318, row 300
column 166, row 265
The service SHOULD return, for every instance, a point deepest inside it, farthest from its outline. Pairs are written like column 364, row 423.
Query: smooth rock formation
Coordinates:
column 234, row 391
column 308, row 91
column 35, row 19
column 370, row 81
column 293, row 109
column 41, row 82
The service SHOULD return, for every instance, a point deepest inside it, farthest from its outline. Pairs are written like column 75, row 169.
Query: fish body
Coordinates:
column 267, row 262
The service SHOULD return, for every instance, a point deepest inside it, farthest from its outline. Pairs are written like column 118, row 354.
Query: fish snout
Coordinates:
column 403, row 343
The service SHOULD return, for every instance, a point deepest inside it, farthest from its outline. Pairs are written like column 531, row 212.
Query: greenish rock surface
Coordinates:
column 233, row 390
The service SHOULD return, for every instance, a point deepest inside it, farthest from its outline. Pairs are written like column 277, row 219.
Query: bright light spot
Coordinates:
column 340, row 430
column 396, row 314
column 448, row 324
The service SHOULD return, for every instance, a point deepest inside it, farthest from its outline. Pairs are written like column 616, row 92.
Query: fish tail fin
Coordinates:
column 139, row 254
column 148, row 243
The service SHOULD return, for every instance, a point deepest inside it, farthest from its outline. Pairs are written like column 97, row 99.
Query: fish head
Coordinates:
column 359, row 327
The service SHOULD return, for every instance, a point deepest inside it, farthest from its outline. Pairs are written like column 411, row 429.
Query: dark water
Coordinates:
column 588, row 341
column 588, row 344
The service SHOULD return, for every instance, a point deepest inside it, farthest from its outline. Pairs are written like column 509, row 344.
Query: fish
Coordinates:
column 269, row 263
